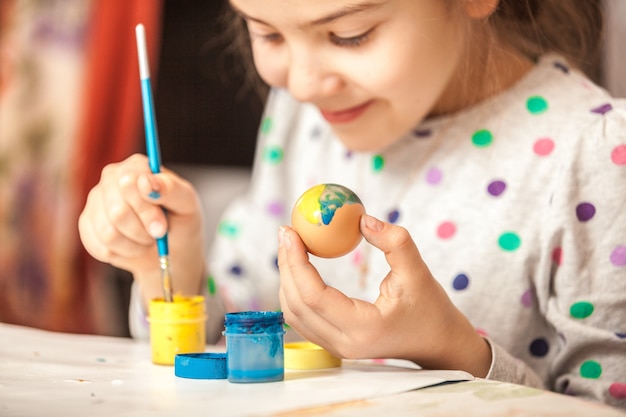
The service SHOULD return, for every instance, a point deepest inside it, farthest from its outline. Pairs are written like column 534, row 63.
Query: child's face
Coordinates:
column 374, row 68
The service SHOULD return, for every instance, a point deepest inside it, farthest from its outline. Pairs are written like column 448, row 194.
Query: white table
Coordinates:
column 56, row 374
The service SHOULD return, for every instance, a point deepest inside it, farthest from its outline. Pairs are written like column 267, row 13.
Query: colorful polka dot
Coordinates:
column 228, row 229
column 393, row 216
column 561, row 67
column 275, row 261
column 434, row 176
column 255, row 305
column 618, row 155
column 378, row 163
column 422, row 133
column 557, row 256
column 590, row 370
column 585, row 211
column 482, row 138
column 527, row 298
column 211, row 285
column 316, row 132
column 275, row 209
column 273, row 154
column 581, row 310
column 536, row 105
column 496, row 188
column 266, row 125
column 539, row 347
column 509, row 241
column 602, row 109
column 446, row 230
column 621, row 335
column 617, row 390
column 357, row 257
column 618, row 256
column 482, row 332
column 543, row 146
column 236, row 270
column 460, row 282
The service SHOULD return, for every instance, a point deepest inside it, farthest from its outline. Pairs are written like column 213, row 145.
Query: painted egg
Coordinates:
column 327, row 219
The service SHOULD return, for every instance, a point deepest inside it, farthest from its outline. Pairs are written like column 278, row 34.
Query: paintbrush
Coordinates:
column 152, row 148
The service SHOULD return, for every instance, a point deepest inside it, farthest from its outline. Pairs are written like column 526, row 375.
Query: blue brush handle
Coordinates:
column 152, row 146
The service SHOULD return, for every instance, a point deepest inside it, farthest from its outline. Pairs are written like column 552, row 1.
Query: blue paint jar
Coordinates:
column 255, row 346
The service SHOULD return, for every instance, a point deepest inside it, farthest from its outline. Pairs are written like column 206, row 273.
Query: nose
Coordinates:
column 310, row 77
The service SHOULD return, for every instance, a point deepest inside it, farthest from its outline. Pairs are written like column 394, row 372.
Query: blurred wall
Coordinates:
column 204, row 115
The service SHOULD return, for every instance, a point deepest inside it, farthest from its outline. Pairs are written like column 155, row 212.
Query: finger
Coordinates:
column 120, row 200
column 154, row 199
column 103, row 238
column 400, row 252
column 135, row 199
column 299, row 311
column 172, row 192
column 295, row 323
column 323, row 310
column 134, row 218
column 409, row 286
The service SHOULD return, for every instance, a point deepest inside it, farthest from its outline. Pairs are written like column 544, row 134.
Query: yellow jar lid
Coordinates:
column 307, row 355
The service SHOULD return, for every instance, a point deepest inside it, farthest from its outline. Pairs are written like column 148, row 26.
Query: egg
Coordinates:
column 327, row 218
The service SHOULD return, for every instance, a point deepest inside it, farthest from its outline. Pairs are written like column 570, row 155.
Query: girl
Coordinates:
column 468, row 137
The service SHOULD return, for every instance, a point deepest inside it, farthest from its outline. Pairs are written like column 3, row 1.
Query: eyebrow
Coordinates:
column 348, row 10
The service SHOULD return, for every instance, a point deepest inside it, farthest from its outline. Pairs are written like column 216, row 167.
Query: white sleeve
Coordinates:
column 506, row 368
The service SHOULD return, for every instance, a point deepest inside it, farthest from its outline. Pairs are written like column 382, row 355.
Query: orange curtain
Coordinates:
column 69, row 104
column 111, row 127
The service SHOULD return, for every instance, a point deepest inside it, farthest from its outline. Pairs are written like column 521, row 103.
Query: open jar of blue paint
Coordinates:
column 255, row 346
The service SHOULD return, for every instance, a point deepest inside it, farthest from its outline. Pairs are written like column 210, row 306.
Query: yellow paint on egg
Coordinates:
column 308, row 205
column 327, row 218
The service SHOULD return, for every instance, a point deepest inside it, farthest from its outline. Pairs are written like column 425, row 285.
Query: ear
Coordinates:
column 480, row 9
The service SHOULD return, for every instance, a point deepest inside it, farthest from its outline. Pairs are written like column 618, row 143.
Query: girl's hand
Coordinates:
column 123, row 216
column 413, row 318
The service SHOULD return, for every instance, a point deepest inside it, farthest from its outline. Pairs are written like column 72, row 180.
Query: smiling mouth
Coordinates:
column 347, row 115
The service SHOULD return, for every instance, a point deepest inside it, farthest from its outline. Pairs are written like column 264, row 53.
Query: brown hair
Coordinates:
column 571, row 28
column 238, row 43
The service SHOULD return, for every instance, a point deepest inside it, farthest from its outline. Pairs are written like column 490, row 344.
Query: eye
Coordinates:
column 262, row 32
column 266, row 37
column 352, row 41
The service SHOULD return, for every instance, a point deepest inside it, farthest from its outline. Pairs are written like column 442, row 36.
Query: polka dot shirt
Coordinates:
column 518, row 207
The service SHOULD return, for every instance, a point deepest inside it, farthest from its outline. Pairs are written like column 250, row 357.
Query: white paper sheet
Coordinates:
column 78, row 375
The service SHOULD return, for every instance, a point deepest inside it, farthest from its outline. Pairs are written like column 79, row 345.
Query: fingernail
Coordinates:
column 283, row 238
column 156, row 230
column 154, row 195
column 373, row 223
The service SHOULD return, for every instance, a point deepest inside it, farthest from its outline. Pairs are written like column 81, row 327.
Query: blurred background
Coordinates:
column 70, row 103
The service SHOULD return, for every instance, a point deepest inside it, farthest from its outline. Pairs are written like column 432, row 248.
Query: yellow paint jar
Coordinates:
column 176, row 327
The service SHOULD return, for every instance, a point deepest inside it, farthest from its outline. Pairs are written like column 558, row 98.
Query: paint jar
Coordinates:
column 176, row 327
column 255, row 346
